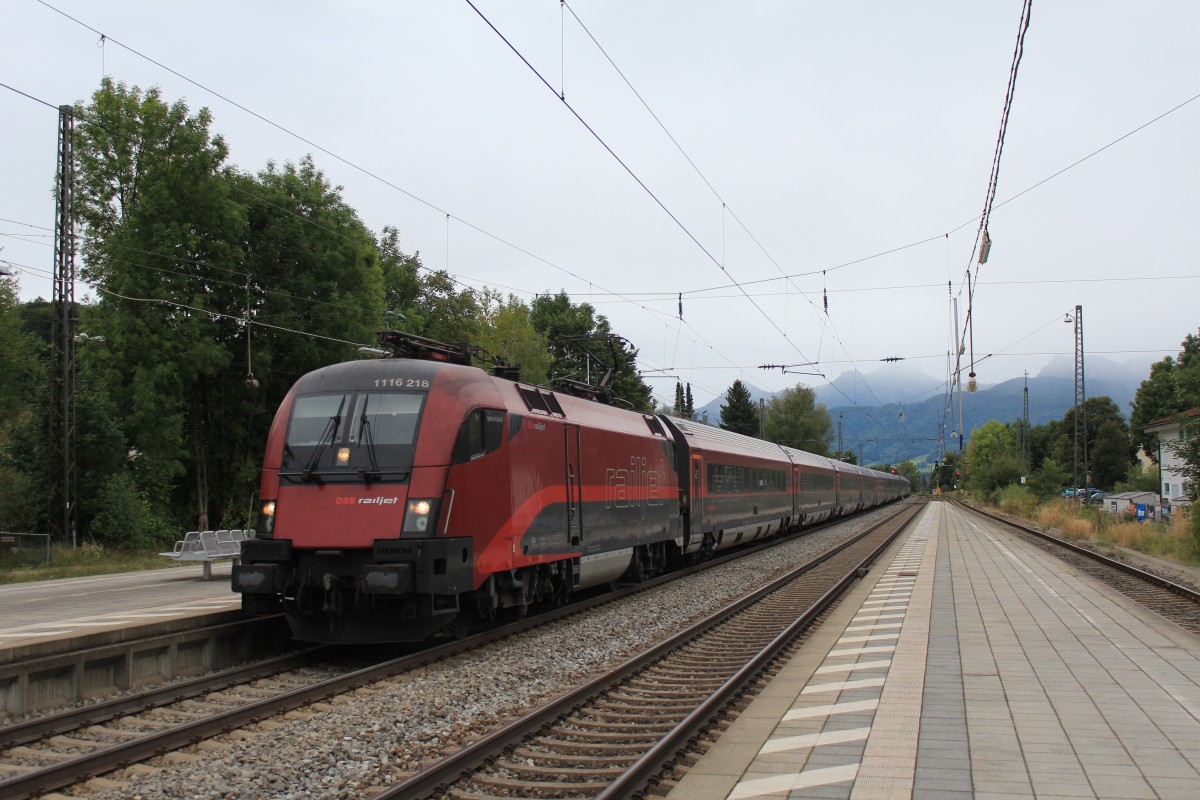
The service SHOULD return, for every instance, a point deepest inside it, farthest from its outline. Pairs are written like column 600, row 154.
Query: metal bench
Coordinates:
column 209, row 546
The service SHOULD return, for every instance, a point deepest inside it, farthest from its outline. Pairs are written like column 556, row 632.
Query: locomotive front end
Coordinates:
column 351, row 543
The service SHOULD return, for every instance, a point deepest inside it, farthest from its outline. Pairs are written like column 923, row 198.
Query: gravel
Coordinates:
column 355, row 745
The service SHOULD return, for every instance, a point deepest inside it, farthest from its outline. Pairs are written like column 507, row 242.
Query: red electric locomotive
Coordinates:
column 405, row 497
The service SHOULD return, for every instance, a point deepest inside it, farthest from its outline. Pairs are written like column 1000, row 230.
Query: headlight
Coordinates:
column 419, row 515
column 266, row 520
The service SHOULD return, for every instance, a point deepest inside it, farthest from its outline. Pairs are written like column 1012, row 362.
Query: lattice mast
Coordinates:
column 1080, row 404
column 62, row 401
column 1025, row 426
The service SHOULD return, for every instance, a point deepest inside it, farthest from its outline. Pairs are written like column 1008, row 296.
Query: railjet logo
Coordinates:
column 367, row 501
column 378, row 501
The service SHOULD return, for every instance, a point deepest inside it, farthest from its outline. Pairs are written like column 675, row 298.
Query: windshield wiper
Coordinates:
column 331, row 429
column 369, row 440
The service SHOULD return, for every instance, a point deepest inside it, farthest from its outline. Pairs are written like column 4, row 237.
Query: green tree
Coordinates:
column 991, row 458
column 507, row 331
column 160, row 234
column 1173, row 387
column 907, row 469
column 739, row 413
column 689, row 405
column 794, row 418
column 206, row 275
column 1156, row 399
column 680, row 402
column 1048, row 479
column 579, row 341
column 1108, row 456
column 18, row 356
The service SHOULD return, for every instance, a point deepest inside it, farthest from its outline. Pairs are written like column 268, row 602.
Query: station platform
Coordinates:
column 43, row 617
column 970, row 664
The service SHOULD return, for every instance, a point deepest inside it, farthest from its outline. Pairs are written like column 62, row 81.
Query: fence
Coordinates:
column 24, row 549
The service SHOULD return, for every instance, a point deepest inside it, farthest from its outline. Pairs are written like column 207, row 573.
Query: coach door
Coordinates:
column 574, row 486
column 698, row 498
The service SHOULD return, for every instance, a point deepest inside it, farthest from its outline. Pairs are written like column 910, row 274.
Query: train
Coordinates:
column 409, row 497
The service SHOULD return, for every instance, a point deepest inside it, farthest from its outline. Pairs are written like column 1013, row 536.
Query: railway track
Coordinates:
column 613, row 736
column 1170, row 600
column 60, row 750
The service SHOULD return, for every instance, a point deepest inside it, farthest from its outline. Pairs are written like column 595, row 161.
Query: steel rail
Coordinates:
column 435, row 777
column 47, row 779
column 644, row 770
column 95, row 713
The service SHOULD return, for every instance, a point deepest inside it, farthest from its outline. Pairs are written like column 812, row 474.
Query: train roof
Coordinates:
column 704, row 436
column 808, row 459
column 363, row 374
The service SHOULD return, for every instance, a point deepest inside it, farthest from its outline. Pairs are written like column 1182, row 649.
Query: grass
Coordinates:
column 1169, row 540
column 88, row 559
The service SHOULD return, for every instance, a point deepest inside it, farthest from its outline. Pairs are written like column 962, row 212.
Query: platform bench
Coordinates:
column 209, row 546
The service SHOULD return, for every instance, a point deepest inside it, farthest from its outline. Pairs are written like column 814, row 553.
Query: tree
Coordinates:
column 160, row 240
column 907, row 469
column 991, row 458
column 739, row 414
column 507, row 331
column 1156, row 399
column 1108, row 457
column 579, row 341
column 1173, row 387
column 1048, row 479
column 689, row 405
column 18, row 362
column 795, row 419
column 680, row 401
column 207, row 275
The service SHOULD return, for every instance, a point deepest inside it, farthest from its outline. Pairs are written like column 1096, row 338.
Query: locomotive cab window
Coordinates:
column 481, row 433
column 352, row 436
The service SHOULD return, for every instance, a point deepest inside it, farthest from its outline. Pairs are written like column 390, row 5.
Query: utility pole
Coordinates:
column 958, row 375
column 1080, row 401
column 1025, row 426
column 62, row 357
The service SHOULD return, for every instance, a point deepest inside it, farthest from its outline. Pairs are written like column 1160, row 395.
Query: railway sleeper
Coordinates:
column 620, row 745
column 510, row 784
column 553, row 757
column 115, row 734
column 571, row 735
column 79, row 744
column 622, row 722
column 523, row 768
column 662, row 706
column 650, row 695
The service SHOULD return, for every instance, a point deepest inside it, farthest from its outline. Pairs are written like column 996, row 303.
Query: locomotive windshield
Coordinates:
column 349, row 436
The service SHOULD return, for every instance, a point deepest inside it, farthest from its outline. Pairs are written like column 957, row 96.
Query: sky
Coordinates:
column 759, row 157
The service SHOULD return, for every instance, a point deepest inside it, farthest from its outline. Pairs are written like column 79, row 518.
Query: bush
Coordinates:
column 125, row 519
column 1017, row 500
column 1141, row 478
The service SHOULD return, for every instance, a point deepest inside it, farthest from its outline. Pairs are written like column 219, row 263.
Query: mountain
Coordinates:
column 892, row 384
column 895, row 413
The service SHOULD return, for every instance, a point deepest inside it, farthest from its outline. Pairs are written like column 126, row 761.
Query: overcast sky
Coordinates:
column 849, row 143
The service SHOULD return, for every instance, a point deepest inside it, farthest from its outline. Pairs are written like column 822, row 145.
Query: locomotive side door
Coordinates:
column 574, row 486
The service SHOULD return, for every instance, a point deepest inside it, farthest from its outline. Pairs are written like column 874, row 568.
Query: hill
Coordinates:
column 869, row 407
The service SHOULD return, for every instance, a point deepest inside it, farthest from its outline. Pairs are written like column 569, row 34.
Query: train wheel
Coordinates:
column 460, row 627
